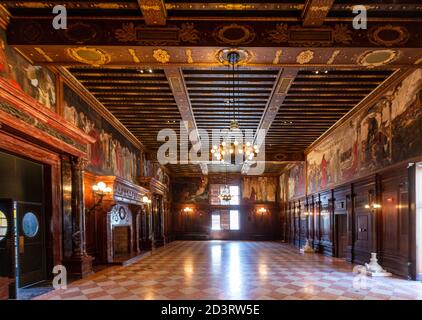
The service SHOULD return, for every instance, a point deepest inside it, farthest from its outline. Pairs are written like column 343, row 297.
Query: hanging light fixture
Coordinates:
column 232, row 144
column 225, row 193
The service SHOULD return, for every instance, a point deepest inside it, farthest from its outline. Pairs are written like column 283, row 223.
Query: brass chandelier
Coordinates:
column 232, row 143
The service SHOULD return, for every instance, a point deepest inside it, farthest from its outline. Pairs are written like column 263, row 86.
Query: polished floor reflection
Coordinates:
column 235, row 270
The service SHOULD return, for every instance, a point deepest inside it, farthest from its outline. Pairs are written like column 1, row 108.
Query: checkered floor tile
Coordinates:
column 235, row 270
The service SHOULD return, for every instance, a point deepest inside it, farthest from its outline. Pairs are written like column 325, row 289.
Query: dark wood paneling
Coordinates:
column 364, row 220
column 394, row 222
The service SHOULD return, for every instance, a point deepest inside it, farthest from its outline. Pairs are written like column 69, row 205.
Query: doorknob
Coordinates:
column 21, row 244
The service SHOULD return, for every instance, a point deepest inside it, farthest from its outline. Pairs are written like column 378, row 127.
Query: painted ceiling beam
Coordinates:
column 315, row 12
column 154, row 12
column 281, row 87
column 178, row 87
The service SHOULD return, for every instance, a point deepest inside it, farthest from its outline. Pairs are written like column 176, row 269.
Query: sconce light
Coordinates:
column 100, row 190
column 308, row 213
column 187, row 210
column 146, row 200
column 373, row 206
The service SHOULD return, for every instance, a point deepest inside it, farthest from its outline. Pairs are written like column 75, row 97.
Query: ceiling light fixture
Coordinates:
column 233, row 144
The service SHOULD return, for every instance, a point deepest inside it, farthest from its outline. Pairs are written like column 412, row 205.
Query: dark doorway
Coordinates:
column 341, row 227
column 23, row 183
column 31, row 233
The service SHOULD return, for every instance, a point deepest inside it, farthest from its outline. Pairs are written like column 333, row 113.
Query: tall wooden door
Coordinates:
column 341, row 227
column 7, row 247
column 31, row 235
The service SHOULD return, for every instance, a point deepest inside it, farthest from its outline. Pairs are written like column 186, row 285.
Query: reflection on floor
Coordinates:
column 235, row 270
column 29, row 293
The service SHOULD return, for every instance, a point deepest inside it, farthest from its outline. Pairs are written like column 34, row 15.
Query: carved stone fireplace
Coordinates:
column 113, row 233
column 120, row 235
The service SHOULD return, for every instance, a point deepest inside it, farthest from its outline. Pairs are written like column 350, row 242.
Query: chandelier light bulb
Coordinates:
column 223, row 143
column 236, row 143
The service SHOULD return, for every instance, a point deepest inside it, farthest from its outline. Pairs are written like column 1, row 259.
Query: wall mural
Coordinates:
column 282, row 188
column 191, row 190
column 110, row 154
column 385, row 133
column 295, row 180
column 259, row 189
column 35, row 81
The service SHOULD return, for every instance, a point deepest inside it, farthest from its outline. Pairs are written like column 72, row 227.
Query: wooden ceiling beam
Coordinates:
column 178, row 87
column 315, row 12
column 281, row 87
column 154, row 12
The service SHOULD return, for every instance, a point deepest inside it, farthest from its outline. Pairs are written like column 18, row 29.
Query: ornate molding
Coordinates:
column 92, row 56
column 300, row 36
column 234, row 34
column 388, row 35
column 305, row 57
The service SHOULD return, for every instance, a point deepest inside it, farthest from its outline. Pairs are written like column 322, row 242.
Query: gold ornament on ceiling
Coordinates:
column 126, row 33
column 92, row 56
column 388, row 35
column 161, row 55
column 188, row 33
column 301, row 36
column 305, row 57
column 277, row 56
column 245, row 56
column 189, row 55
column 80, row 32
column 234, row 34
column 377, row 58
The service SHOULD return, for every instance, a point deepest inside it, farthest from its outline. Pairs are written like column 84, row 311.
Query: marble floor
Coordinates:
column 235, row 270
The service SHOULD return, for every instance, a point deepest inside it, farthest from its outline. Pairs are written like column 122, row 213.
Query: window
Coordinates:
column 3, row 225
column 234, row 220
column 215, row 222
column 225, row 220
column 217, row 189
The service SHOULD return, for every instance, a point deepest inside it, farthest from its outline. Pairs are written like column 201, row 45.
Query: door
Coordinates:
column 31, row 233
column 7, row 247
column 341, row 220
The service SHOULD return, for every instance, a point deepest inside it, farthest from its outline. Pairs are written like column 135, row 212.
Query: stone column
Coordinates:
column 79, row 264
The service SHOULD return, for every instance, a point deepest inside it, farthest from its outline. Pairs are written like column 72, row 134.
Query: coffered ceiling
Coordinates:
column 154, row 63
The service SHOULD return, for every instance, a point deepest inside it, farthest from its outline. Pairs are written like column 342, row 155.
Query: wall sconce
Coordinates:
column 187, row 210
column 373, row 206
column 308, row 213
column 262, row 211
column 146, row 200
column 100, row 190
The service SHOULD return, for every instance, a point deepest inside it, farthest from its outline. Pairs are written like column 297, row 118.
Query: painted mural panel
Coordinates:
column 259, row 189
column 191, row 190
column 282, row 184
column 296, row 180
column 111, row 154
column 406, row 118
column 385, row 133
column 35, row 81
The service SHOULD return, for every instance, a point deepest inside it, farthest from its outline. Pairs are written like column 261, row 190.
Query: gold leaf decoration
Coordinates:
column 126, row 33
column 161, row 55
column 277, row 56
column 280, row 34
column 188, row 33
column 342, row 34
column 305, row 56
column 93, row 56
column 189, row 55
